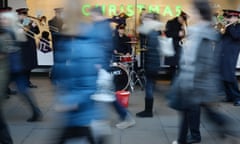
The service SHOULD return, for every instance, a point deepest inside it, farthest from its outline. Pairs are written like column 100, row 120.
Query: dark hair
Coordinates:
column 45, row 35
column 184, row 15
column 204, row 9
column 97, row 9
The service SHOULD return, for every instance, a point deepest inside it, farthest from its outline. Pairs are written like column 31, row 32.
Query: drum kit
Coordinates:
column 124, row 70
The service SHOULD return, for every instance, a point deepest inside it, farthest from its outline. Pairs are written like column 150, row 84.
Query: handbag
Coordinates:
column 104, row 91
column 166, row 46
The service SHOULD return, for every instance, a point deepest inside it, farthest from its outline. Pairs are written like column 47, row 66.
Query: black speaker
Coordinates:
column 3, row 3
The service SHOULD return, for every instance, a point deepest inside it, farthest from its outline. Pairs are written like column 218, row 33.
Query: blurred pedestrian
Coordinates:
column 103, row 33
column 230, row 42
column 5, row 137
column 151, row 59
column 13, row 38
column 198, row 82
column 78, row 56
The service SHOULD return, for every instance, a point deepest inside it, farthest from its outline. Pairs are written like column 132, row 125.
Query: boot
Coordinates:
column 148, row 109
column 37, row 116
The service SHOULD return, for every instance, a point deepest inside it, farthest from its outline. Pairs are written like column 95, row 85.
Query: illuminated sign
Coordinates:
column 112, row 9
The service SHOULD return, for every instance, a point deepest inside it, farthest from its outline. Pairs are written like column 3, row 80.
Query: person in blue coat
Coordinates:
column 230, row 51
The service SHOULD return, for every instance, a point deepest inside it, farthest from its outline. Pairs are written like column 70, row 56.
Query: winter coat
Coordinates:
column 198, row 80
column 152, row 55
column 75, row 75
column 172, row 30
column 55, row 24
column 121, row 44
column 230, row 43
column 29, row 50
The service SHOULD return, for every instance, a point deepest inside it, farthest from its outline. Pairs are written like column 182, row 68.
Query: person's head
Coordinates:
column 182, row 18
column 7, row 17
column 96, row 13
column 151, row 16
column 58, row 12
column 121, row 29
column 231, row 16
column 22, row 13
column 202, row 10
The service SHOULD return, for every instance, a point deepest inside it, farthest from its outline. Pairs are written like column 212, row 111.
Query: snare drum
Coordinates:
column 126, row 59
column 120, row 76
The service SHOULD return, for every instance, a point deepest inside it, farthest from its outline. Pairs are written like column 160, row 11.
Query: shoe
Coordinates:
column 192, row 140
column 227, row 100
column 236, row 103
column 128, row 122
column 11, row 92
column 35, row 117
column 176, row 142
column 32, row 86
column 144, row 114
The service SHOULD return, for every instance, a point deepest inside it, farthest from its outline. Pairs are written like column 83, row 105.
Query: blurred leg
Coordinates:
column 21, row 83
column 182, row 136
column 76, row 132
column 5, row 137
column 194, row 124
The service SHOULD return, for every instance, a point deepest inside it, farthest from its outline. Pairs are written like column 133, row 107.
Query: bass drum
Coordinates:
column 120, row 76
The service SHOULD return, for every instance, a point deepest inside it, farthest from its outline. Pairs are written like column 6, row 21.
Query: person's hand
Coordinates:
column 181, row 33
column 34, row 24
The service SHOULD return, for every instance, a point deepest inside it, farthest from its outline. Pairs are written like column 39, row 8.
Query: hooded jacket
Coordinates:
column 152, row 55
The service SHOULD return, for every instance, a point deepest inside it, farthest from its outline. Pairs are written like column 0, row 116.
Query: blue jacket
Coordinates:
column 75, row 74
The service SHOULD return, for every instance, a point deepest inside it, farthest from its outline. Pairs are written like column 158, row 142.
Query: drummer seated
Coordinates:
column 121, row 42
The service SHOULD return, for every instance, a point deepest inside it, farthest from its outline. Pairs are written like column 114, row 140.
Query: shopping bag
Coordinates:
column 166, row 46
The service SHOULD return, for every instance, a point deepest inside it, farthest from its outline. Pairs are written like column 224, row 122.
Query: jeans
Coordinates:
column 190, row 121
column 122, row 112
column 150, row 86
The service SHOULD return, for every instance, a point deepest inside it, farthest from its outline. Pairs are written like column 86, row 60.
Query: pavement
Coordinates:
column 161, row 129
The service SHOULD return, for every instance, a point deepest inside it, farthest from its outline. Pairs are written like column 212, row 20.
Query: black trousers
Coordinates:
column 190, row 122
column 219, row 120
column 5, row 137
column 232, row 91
column 76, row 132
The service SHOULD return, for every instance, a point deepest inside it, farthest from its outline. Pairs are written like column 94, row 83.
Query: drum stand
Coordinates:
column 134, row 76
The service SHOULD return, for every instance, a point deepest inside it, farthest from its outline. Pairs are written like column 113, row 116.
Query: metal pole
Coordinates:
column 135, row 18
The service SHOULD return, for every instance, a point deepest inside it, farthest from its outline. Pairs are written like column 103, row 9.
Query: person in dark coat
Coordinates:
column 56, row 23
column 198, row 81
column 151, row 59
column 230, row 50
column 29, row 50
column 121, row 40
column 175, row 28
